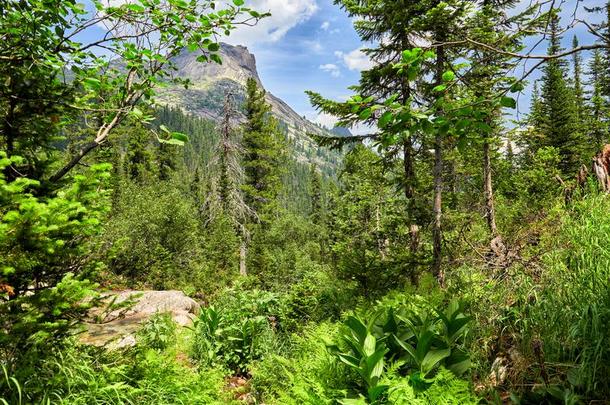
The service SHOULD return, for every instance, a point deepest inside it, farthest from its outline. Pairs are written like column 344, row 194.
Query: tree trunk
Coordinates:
column 490, row 212
column 242, row 259
column 437, row 208
column 437, row 235
column 408, row 168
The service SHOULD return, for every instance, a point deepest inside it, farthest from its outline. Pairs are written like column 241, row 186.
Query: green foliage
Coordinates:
column 152, row 237
column 445, row 388
column 44, row 242
column 538, row 294
column 367, row 225
column 557, row 117
column 365, row 356
column 537, row 184
column 306, row 374
column 410, row 337
column 85, row 375
column 577, row 281
column 158, row 332
column 236, row 333
column 317, row 297
column 264, row 152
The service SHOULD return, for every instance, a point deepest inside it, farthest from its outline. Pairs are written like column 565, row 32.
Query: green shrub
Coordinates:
column 158, row 332
column 412, row 338
column 45, row 240
column 315, row 298
column 577, row 280
column 445, row 389
column 81, row 375
column 153, row 237
column 239, row 330
column 306, row 373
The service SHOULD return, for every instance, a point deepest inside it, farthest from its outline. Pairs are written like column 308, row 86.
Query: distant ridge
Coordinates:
column 211, row 81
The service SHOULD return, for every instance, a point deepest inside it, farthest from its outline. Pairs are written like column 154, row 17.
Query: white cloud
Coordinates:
column 285, row 15
column 325, row 25
column 323, row 119
column 332, row 69
column 329, row 122
column 355, row 60
column 314, row 46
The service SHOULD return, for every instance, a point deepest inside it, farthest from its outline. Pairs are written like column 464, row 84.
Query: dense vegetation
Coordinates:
column 453, row 257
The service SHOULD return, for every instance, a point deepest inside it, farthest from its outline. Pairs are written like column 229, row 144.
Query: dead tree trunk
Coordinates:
column 601, row 168
column 490, row 212
column 242, row 259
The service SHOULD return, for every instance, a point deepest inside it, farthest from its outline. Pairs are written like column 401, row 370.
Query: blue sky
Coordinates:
column 311, row 45
column 319, row 51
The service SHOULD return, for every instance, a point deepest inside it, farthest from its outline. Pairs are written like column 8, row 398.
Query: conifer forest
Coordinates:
column 173, row 231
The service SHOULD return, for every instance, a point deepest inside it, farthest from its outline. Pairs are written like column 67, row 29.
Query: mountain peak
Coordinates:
column 238, row 64
column 210, row 82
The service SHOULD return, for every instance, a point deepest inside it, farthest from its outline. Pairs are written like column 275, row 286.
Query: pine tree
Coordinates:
column 558, row 124
column 168, row 160
column 533, row 121
column 387, row 25
column 263, row 162
column 488, row 73
column 263, row 152
column 394, row 25
column 598, row 119
column 578, row 88
column 315, row 192
column 365, row 220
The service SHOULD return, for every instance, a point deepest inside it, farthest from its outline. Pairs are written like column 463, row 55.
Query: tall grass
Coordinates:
column 80, row 375
column 573, row 308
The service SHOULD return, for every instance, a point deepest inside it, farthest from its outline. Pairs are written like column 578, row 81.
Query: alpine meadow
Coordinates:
column 304, row 202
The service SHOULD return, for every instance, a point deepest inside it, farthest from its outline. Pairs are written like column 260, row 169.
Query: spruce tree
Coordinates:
column 315, row 190
column 533, row 122
column 558, row 124
column 488, row 74
column 263, row 152
column 263, row 162
column 578, row 88
column 598, row 119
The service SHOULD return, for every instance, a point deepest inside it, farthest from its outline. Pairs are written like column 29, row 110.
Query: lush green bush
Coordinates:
column 239, row 330
column 81, row 375
column 412, row 337
column 318, row 296
column 305, row 373
column 154, row 237
column 45, row 244
column 358, row 363
column 158, row 332
column 444, row 389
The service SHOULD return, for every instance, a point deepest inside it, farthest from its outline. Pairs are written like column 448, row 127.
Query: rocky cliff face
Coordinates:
column 210, row 82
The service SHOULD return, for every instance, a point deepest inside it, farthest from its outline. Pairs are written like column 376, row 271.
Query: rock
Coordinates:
column 117, row 328
column 125, row 341
column 499, row 371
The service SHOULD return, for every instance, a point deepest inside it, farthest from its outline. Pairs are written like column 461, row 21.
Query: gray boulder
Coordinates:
column 115, row 328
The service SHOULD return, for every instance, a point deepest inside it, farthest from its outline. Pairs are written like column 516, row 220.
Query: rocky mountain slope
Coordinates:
column 210, row 82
